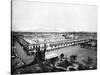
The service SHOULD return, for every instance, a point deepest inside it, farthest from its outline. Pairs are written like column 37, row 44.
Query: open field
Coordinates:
column 82, row 53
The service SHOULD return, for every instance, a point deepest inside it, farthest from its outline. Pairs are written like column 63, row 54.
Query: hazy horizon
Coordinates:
column 52, row 32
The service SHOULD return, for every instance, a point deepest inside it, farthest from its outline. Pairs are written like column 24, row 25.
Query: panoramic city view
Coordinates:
column 53, row 52
column 53, row 37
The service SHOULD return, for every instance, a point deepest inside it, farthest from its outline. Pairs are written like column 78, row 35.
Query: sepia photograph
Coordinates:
column 52, row 37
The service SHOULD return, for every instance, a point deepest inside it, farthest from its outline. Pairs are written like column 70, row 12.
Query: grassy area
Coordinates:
column 82, row 54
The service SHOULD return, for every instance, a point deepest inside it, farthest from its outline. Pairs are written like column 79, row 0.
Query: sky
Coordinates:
column 30, row 16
